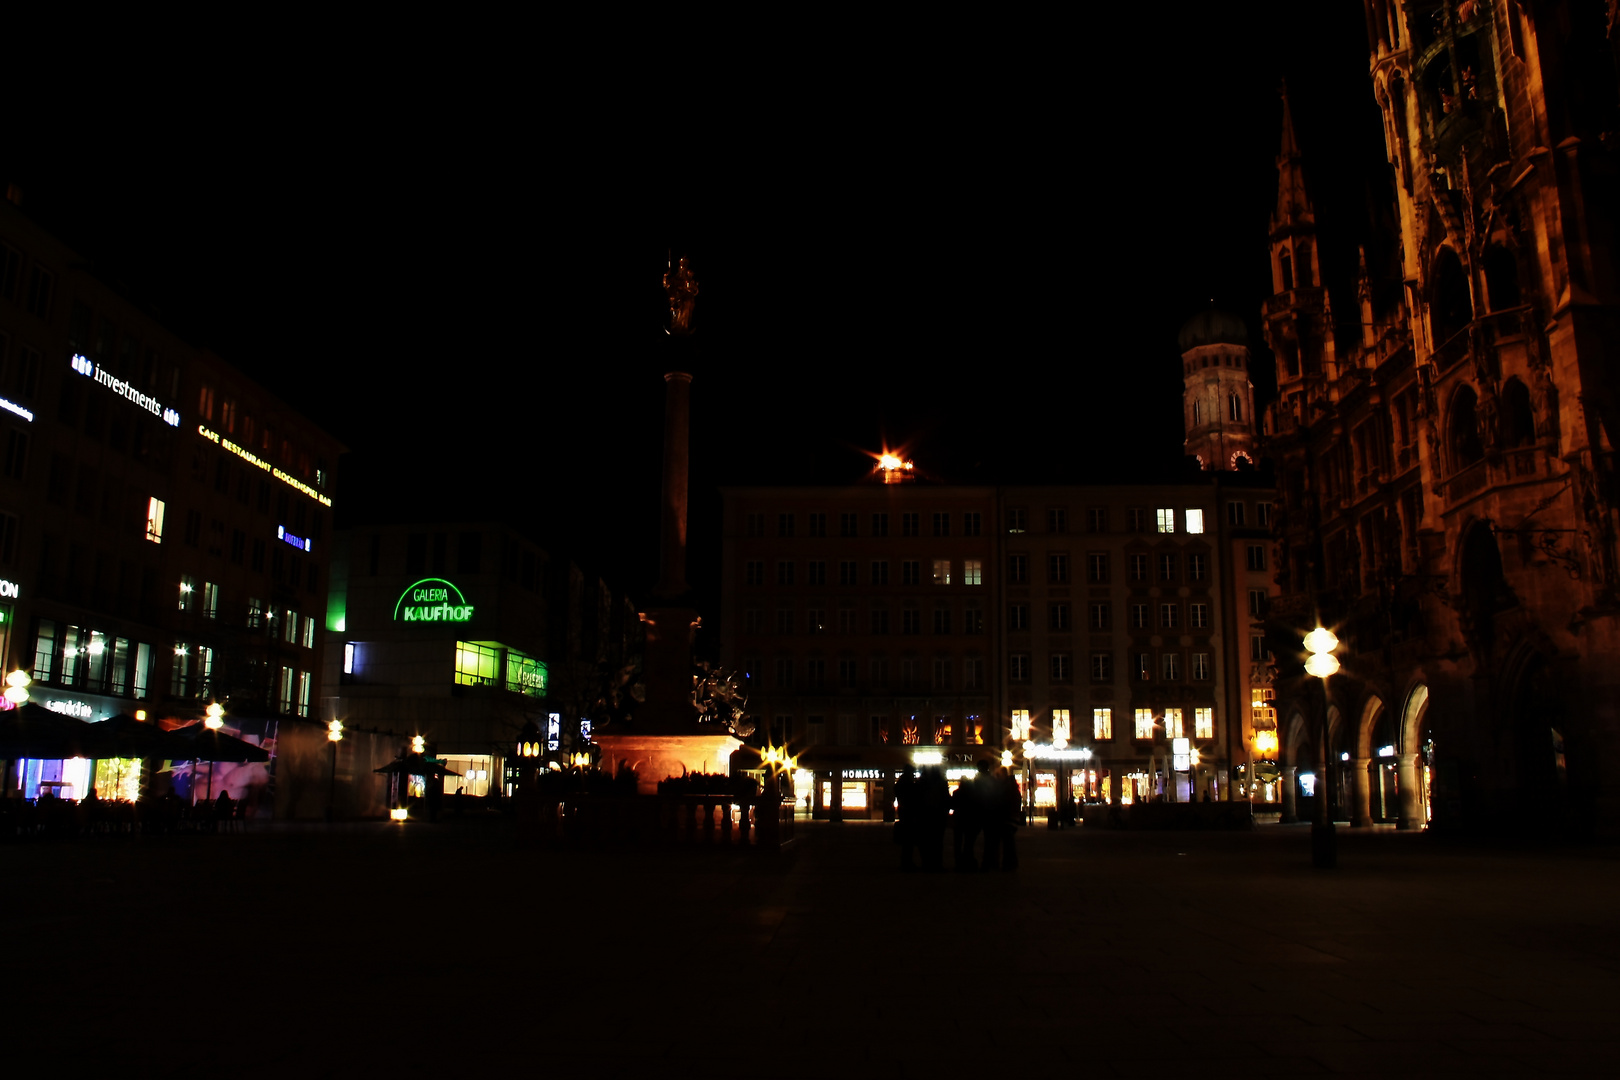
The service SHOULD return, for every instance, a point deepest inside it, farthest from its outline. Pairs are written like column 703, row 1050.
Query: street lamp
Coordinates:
column 17, row 688
column 1320, row 643
column 334, row 735
column 212, row 720
column 418, row 744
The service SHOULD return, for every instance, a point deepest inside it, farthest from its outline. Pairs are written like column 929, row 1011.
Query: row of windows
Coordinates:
column 1172, row 723
column 1138, row 518
column 285, row 623
column 911, row 620
column 914, row 673
column 283, row 565
column 90, row 661
column 848, row 524
column 1139, row 566
column 33, row 288
column 1169, row 667
column 1165, row 615
column 489, row 665
column 907, row 730
column 241, row 426
column 940, row 571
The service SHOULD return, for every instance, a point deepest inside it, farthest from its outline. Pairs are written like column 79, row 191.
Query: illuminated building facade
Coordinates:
column 458, row 632
column 887, row 624
column 165, row 523
column 1446, row 469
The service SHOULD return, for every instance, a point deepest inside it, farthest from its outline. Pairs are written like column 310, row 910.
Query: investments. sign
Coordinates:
column 92, row 370
column 432, row 600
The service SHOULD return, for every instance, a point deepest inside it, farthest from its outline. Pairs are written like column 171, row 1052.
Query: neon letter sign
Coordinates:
column 90, row 369
column 432, row 600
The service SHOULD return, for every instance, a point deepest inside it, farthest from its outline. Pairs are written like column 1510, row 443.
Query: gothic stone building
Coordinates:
column 1447, row 478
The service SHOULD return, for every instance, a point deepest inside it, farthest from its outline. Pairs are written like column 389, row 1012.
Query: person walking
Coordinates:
column 906, row 813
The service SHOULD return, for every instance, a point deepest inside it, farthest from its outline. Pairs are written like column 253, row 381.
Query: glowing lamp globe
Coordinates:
column 1321, row 640
column 418, row 744
column 17, row 687
column 1322, row 665
column 334, row 731
column 214, row 719
column 528, row 741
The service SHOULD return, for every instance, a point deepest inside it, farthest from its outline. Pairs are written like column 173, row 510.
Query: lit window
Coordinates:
column 186, row 590
column 290, row 627
column 1020, row 725
column 180, row 684
column 1203, row 723
column 476, row 665
column 1144, row 724
column 255, row 615
column 1062, row 729
column 1102, row 723
column 348, row 658
column 210, row 600
column 942, row 571
column 1195, row 521
column 972, row 572
column 308, row 635
column 304, row 682
column 1167, row 520
column 525, row 674
column 154, row 520
column 1172, row 724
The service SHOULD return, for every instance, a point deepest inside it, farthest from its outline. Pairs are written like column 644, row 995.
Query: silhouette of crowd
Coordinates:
column 986, row 805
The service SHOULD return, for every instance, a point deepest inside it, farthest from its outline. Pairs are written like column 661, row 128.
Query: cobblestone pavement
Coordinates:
column 437, row 950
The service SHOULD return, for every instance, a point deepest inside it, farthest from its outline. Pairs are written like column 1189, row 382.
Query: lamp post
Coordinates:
column 334, row 735
column 528, row 750
column 1320, row 643
column 213, row 722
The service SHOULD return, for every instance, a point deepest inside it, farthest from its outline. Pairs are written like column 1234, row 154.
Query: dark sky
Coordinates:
column 982, row 251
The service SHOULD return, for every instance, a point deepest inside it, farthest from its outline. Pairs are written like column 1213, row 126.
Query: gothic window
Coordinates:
column 1450, row 309
column 1234, row 407
column 1518, row 419
column 1286, row 261
column 1465, row 443
column 1501, row 278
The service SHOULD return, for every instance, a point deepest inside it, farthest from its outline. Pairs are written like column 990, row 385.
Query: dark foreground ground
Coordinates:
column 423, row 951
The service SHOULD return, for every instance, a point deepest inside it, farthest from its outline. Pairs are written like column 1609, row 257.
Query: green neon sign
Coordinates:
column 432, row 600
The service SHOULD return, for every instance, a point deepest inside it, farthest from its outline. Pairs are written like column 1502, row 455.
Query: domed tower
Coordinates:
column 1217, row 396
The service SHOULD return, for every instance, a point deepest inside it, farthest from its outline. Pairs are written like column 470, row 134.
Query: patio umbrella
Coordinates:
column 201, row 743
column 122, row 735
column 33, row 731
column 416, row 765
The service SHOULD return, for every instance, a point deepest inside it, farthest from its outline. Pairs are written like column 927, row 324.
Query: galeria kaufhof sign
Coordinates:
column 432, row 600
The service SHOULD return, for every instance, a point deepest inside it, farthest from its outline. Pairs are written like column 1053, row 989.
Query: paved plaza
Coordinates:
column 444, row 950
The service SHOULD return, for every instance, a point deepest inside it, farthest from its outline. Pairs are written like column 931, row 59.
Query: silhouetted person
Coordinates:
column 1012, row 803
column 905, row 823
column 222, row 810
column 967, row 818
column 1001, row 802
column 936, row 813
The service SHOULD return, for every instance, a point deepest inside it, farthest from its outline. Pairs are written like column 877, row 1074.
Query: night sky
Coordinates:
column 982, row 252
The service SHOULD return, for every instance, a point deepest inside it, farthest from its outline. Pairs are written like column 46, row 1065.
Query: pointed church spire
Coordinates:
column 1294, row 208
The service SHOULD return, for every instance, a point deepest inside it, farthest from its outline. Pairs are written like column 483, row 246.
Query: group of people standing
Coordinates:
column 988, row 804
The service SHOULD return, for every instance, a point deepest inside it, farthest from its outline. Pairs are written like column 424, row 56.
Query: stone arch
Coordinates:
column 1297, row 736
column 1413, row 715
column 1372, row 710
column 1464, row 443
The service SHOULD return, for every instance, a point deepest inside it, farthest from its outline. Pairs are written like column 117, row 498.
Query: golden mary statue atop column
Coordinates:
column 681, row 287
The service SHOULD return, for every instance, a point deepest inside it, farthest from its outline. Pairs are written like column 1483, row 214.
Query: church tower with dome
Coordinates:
column 1217, row 396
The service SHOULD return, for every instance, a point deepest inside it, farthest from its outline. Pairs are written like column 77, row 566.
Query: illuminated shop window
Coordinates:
column 1173, row 726
column 1204, row 723
column 1166, row 520
column 1195, row 520
column 972, row 572
column 1102, row 723
column 1144, row 724
column 118, row 778
column 853, row 793
column 525, row 674
column 476, row 774
column 476, row 665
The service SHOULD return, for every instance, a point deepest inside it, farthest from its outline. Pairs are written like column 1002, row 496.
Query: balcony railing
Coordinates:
column 1505, row 467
